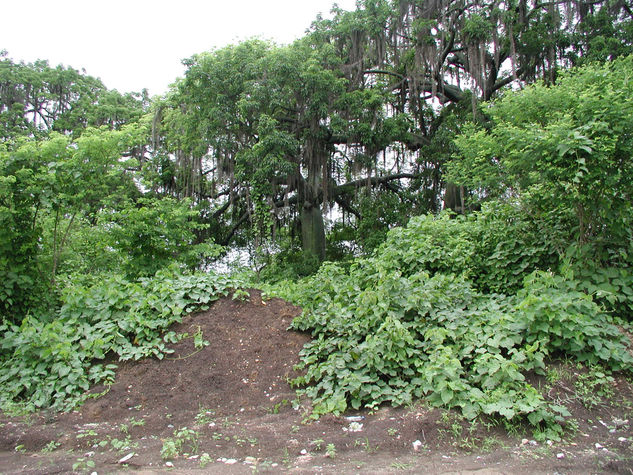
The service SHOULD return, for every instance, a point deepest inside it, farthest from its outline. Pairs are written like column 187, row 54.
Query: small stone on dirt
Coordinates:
column 126, row 458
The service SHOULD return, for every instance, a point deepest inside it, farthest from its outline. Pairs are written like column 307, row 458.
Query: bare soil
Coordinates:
column 236, row 413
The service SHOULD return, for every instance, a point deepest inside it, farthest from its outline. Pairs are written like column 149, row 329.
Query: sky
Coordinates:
column 138, row 44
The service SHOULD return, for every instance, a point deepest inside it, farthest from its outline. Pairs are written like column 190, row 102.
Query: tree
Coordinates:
column 36, row 98
column 46, row 188
column 565, row 148
column 268, row 121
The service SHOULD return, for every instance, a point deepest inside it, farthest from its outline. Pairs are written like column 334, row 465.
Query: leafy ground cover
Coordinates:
column 51, row 361
column 412, row 321
column 227, row 407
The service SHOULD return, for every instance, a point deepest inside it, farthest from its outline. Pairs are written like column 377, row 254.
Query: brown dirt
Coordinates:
column 235, row 396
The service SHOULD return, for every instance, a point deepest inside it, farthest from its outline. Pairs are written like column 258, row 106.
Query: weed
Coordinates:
column 392, row 432
column 20, row 449
column 366, row 445
column 50, row 447
column 204, row 416
column 198, row 340
column 275, row 409
column 330, row 451
column 205, row 459
column 402, row 466
column 241, row 294
column 83, row 464
column 489, row 443
column 182, row 439
column 286, row 457
column 593, row 386
column 317, row 444
column 136, row 423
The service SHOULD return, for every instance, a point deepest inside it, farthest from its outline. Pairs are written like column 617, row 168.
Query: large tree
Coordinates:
column 368, row 99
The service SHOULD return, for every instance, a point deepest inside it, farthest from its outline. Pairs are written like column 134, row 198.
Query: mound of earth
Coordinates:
column 227, row 407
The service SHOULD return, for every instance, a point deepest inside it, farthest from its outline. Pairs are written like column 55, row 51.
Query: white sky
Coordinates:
column 138, row 44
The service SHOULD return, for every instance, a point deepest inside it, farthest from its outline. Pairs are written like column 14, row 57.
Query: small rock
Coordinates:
column 273, row 465
column 303, row 452
column 230, row 461
column 250, row 460
column 620, row 422
column 533, row 442
column 169, row 464
column 598, row 446
column 193, row 457
column 560, row 456
column 525, row 442
column 126, row 458
column 416, row 445
column 622, row 439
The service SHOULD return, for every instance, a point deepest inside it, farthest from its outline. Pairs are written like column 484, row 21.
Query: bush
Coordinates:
column 409, row 322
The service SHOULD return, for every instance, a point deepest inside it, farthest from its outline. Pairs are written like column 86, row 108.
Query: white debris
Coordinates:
column 622, row 439
column 169, row 464
column 230, row 461
column 126, row 458
column 560, row 456
column 416, row 445
column 303, row 452
column 250, row 460
column 525, row 442
column 355, row 418
column 599, row 446
column 355, row 427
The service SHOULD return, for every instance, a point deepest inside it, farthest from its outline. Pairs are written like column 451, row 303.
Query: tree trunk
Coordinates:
column 313, row 230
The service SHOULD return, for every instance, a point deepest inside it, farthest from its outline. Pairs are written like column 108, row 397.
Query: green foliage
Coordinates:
column 53, row 361
column 184, row 441
column 155, row 233
column 46, row 188
column 565, row 149
column 407, row 323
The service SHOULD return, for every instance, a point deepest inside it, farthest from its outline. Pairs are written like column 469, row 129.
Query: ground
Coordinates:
column 228, row 408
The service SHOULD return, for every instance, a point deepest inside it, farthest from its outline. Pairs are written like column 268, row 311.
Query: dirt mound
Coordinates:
column 227, row 407
column 243, row 367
